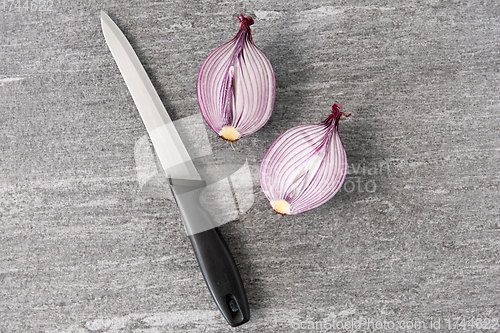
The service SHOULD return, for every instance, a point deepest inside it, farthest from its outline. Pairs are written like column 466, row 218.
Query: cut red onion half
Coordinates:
column 305, row 167
column 236, row 86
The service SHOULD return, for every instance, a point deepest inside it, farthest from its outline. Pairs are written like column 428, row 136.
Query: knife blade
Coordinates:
column 214, row 257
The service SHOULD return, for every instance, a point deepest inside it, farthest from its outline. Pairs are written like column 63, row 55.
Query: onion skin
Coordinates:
column 236, row 86
column 305, row 166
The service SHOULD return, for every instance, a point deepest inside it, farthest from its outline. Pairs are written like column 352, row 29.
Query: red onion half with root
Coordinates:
column 305, row 167
column 236, row 86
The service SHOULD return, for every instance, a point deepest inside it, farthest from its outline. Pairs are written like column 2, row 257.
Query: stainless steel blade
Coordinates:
column 167, row 143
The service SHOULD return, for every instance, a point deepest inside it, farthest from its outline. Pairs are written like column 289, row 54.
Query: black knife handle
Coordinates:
column 216, row 262
column 221, row 275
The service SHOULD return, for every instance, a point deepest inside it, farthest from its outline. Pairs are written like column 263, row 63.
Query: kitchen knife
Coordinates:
column 216, row 262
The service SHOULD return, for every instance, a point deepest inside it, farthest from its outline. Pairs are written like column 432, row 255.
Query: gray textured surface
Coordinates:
column 83, row 249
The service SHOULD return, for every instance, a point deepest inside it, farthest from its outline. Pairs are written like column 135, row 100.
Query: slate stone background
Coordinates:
column 411, row 242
